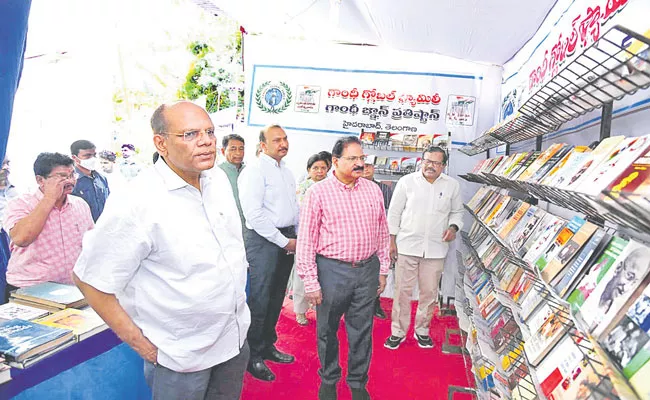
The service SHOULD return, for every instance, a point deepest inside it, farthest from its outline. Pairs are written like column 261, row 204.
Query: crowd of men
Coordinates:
column 205, row 251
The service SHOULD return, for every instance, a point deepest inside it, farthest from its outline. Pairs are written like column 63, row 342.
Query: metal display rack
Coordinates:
column 598, row 360
column 481, row 144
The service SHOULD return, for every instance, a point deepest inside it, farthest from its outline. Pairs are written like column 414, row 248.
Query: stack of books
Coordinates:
column 49, row 296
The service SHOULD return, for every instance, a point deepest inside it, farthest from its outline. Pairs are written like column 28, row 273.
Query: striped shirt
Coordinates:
column 343, row 223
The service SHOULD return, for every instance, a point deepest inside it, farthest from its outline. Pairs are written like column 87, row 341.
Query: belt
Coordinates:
column 363, row 263
column 289, row 231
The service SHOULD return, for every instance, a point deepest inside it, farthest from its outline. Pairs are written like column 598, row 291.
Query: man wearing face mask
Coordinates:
column 425, row 214
column 7, row 190
column 91, row 185
column 46, row 226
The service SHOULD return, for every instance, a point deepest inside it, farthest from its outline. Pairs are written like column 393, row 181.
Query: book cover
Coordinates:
column 625, row 341
column 542, row 341
column 410, row 142
column 540, row 161
column 494, row 164
column 18, row 311
column 587, row 256
column 563, row 163
column 503, row 201
column 584, row 169
column 407, row 164
column 367, row 137
column 532, row 156
column 545, row 238
column 382, row 139
column 52, row 293
column 615, row 163
column 81, row 322
column 424, row 142
column 633, row 176
column 561, row 239
column 568, row 251
column 396, row 140
column 596, row 272
column 530, row 232
column 517, row 161
column 503, row 165
column 20, row 339
column 641, row 383
column 552, row 162
column 393, row 164
column 617, row 287
column 506, row 212
column 514, row 220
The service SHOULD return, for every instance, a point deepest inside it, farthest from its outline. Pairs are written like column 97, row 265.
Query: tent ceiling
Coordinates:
column 476, row 30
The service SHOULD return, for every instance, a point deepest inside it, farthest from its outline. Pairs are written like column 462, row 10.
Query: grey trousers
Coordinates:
column 221, row 382
column 348, row 292
column 270, row 267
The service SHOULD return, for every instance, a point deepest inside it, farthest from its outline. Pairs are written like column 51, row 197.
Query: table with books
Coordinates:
column 52, row 342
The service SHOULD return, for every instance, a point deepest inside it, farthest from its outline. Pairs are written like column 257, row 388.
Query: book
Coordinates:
column 548, row 165
column 563, row 236
column 615, row 163
column 20, row 339
column 540, row 161
column 407, row 164
column 596, row 272
column 532, row 156
column 52, row 294
column 83, row 323
column 563, row 165
column 382, row 139
column 618, row 286
column 547, row 234
column 594, row 247
column 542, row 341
column 424, row 142
column 641, row 383
column 367, row 137
column 18, row 311
column 584, row 169
column 410, row 142
column 570, row 249
column 526, row 225
column 625, row 341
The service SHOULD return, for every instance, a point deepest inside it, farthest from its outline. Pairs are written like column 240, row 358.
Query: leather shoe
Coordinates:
column 360, row 394
column 277, row 356
column 379, row 313
column 259, row 370
column 327, row 392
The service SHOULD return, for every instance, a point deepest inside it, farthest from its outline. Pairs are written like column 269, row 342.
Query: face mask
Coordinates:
column 89, row 164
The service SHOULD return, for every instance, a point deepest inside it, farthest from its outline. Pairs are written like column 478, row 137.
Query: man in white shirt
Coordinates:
column 166, row 268
column 425, row 214
column 267, row 192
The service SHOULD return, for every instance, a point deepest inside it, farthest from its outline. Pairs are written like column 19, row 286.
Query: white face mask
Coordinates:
column 89, row 164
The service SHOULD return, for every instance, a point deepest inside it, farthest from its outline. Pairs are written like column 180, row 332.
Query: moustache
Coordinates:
column 283, row 149
column 357, row 169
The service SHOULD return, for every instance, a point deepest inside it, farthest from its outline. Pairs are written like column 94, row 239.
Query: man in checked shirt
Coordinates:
column 343, row 259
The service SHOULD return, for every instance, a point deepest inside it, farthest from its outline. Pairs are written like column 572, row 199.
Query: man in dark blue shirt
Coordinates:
column 91, row 185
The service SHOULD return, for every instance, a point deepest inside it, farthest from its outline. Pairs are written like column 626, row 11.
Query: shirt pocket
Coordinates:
column 442, row 203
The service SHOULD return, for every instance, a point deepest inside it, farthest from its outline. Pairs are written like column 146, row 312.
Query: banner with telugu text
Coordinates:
column 345, row 101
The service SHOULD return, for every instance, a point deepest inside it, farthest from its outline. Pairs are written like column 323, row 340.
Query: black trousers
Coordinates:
column 349, row 291
column 270, row 267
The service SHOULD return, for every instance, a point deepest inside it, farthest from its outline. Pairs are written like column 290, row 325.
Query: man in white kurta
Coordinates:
column 166, row 266
column 425, row 214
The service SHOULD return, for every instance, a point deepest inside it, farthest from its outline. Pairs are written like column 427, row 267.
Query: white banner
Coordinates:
column 571, row 27
column 345, row 101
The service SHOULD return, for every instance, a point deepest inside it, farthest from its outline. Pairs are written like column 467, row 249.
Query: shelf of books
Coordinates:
column 577, row 292
column 40, row 321
column 393, row 153
column 615, row 65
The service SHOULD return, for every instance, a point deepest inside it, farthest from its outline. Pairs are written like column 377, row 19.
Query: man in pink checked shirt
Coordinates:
column 343, row 259
column 46, row 226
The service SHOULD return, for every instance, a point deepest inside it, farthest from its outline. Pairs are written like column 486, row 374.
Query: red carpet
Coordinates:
column 409, row 373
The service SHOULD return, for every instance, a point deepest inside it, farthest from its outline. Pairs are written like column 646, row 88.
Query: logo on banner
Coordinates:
column 273, row 98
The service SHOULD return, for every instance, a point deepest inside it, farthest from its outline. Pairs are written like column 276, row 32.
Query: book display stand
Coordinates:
column 544, row 347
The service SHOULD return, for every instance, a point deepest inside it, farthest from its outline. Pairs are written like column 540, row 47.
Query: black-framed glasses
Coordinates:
column 62, row 175
column 433, row 163
column 192, row 135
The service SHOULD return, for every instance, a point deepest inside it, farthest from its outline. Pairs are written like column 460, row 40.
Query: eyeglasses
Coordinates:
column 61, row 175
column 432, row 163
column 355, row 158
column 192, row 135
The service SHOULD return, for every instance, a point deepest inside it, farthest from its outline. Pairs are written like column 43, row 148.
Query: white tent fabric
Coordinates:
column 476, row 30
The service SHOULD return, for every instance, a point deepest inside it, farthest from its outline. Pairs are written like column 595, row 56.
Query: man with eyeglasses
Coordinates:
column 232, row 147
column 425, row 214
column 46, row 226
column 267, row 191
column 166, row 268
column 91, row 185
column 343, row 259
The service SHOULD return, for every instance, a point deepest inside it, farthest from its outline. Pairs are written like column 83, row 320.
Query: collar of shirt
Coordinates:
column 270, row 160
column 171, row 178
column 343, row 186
column 442, row 177
column 231, row 166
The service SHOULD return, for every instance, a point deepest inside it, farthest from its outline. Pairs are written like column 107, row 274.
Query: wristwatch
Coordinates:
column 455, row 227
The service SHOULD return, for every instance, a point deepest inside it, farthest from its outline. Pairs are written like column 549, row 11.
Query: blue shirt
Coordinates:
column 94, row 190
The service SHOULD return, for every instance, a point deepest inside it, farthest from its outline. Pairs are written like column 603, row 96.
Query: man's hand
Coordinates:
column 449, row 235
column 53, row 187
column 393, row 249
column 291, row 246
column 314, row 298
column 382, row 284
column 146, row 349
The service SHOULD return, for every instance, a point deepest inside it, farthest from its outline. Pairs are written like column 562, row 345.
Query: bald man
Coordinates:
column 166, row 265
